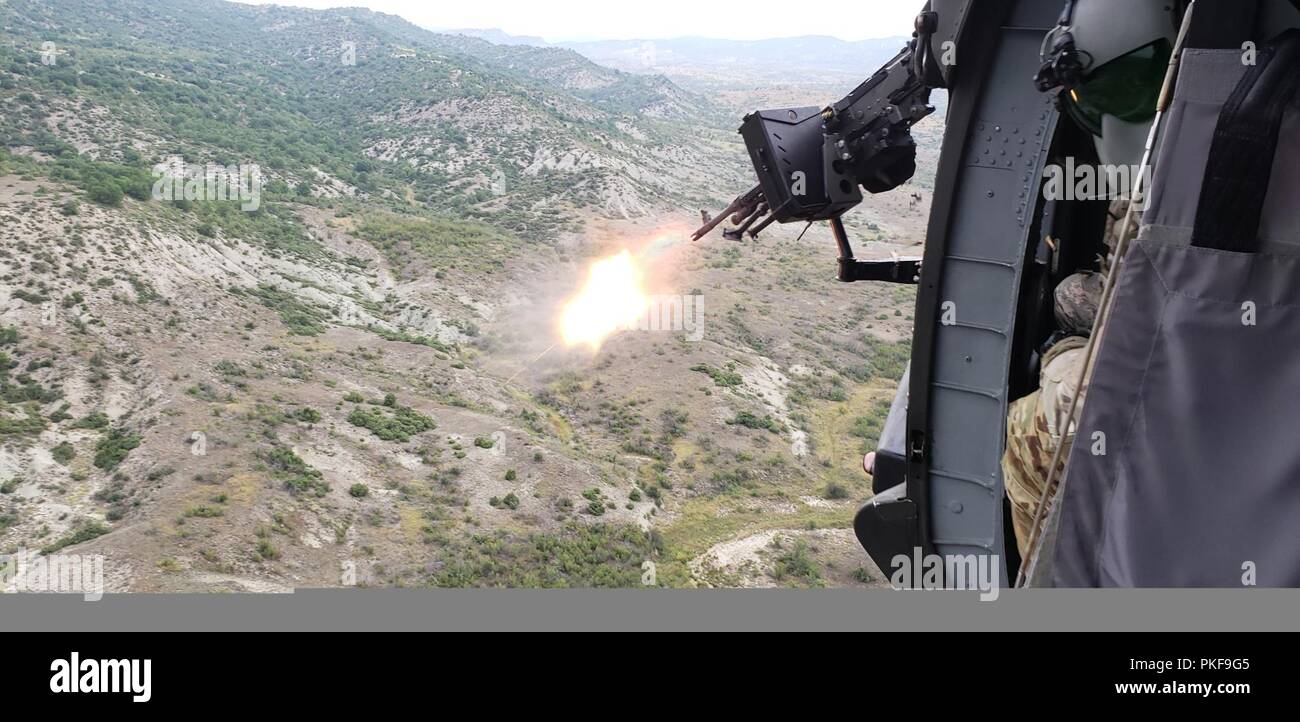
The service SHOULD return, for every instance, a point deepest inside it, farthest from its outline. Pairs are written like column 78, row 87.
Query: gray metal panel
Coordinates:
column 991, row 217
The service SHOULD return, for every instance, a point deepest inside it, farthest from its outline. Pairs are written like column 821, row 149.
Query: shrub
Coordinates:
column 114, row 447
column 359, row 490
column 719, row 376
column 797, row 563
column 84, row 533
column 301, row 318
column 835, row 490
column 203, row 512
column 403, row 423
column 94, row 420
column 297, row 475
column 63, row 453
column 751, row 421
column 266, row 550
column 307, row 415
column 106, row 193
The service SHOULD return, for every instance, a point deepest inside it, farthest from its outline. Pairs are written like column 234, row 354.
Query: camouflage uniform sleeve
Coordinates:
column 1035, row 426
column 1060, row 380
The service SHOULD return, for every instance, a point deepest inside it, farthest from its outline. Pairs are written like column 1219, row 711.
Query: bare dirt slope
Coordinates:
column 205, row 425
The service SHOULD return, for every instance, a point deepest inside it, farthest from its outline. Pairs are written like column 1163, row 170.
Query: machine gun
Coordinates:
column 813, row 162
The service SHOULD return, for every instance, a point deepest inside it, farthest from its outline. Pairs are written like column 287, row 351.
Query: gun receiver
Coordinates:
column 812, row 163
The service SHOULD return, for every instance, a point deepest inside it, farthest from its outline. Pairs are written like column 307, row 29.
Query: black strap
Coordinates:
column 1221, row 24
column 1241, row 154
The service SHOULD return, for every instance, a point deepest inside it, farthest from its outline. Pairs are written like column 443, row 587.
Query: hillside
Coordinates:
column 408, row 115
column 354, row 382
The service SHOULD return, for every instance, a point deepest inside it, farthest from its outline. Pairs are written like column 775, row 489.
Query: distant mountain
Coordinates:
column 709, row 63
column 781, row 58
column 493, row 35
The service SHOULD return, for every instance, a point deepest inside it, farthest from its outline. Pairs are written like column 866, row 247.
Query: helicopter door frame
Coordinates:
column 984, row 209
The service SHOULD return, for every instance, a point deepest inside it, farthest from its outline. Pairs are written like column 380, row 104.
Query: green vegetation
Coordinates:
column 29, row 426
column 307, row 415
column 578, row 555
column 233, row 94
column 26, row 389
column 93, row 420
column 297, row 476
column 509, row 501
column 21, row 389
column 405, row 337
column 797, row 565
column 836, row 491
column 63, row 452
column 751, row 421
column 302, row 319
column 83, row 533
column 884, row 360
column 868, row 426
column 359, row 491
column 265, row 550
column 721, row 378
column 113, row 448
column 596, row 502
column 442, row 241
column 400, row 424
column 203, row 512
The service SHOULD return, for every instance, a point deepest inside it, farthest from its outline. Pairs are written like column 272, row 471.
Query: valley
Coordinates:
column 358, row 383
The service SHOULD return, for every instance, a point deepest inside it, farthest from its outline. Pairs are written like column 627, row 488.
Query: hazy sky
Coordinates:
column 557, row 20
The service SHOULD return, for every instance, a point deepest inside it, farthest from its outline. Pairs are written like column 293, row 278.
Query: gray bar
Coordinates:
column 828, row 610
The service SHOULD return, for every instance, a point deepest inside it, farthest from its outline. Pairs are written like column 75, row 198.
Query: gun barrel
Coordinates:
column 746, row 202
column 753, row 232
column 759, row 211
